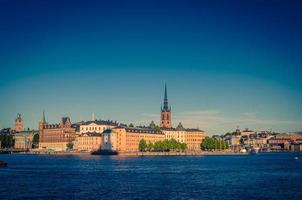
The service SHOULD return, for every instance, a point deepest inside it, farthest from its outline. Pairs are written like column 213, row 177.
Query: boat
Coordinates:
column 3, row 164
column 254, row 150
column 104, row 152
column 242, row 150
column 296, row 158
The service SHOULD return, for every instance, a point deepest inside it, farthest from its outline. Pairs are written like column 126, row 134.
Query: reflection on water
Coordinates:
column 263, row 176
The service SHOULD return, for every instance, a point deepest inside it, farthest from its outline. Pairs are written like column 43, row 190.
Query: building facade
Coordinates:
column 97, row 126
column 194, row 138
column 25, row 139
column 126, row 139
column 57, row 136
column 191, row 137
column 88, row 142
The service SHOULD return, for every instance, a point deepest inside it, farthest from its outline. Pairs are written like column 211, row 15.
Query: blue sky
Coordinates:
column 226, row 63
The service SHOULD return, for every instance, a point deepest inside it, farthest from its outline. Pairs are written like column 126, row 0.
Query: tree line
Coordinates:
column 6, row 141
column 166, row 145
column 213, row 144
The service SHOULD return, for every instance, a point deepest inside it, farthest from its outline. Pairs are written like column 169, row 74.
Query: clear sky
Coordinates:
column 226, row 63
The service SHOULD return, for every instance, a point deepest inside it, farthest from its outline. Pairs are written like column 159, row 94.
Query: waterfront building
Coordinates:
column 57, row 136
column 88, row 142
column 97, row 126
column 279, row 143
column 126, row 139
column 178, row 133
column 234, row 140
column 19, row 123
column 247, row 132
column 296, row 147
column 165, row 115
column 192, row 137
column 26, row 139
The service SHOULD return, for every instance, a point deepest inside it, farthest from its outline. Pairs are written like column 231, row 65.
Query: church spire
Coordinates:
column 166, row 105
column 43, row 117
column 166, row 121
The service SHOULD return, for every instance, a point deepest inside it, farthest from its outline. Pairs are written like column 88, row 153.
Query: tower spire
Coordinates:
column 166, row 104
column 93, row 116
column 43, row 117
column 166, row 121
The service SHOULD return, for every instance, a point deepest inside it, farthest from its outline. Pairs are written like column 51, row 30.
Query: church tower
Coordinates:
column 19, row 123
column 165, row 121
column 42, row 123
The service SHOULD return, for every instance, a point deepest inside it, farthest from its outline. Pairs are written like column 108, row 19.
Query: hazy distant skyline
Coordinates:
column 226, row 63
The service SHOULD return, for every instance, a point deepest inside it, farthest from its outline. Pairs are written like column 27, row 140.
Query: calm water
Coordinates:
column 262, row 176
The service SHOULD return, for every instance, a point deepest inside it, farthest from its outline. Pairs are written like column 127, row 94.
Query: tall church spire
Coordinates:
column 43, row 117
column 165, row 121
column 166, row 104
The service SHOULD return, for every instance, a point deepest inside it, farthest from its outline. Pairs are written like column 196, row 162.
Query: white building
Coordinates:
column 97, row 126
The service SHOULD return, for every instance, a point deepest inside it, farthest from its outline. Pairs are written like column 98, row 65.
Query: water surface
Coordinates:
column 262, row 176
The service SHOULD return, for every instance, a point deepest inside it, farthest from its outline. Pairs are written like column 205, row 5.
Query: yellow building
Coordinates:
column 88, row 142
column 192, row 137
column 127, row 138
column 24, row 139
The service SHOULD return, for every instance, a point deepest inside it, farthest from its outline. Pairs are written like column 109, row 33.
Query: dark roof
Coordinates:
column 91, row 134
column 65, row 120
column 102, row 122
column 140, row 130
column 180, row 127
column 107, row 131
column 185, row 129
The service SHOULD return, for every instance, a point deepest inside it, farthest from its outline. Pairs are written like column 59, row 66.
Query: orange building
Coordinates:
column 194, row 138
column 88, row 142
column 128, row 138
column 56, row 136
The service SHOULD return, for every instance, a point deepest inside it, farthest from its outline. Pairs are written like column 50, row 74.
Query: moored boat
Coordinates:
column 3, row 164
column 104, row 152
column 254, row 150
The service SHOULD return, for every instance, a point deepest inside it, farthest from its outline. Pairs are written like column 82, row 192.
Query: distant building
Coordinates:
column 127, row 138
column 97, row 126
column 178, row 133
column 279, row 143
column 19, row 123
column 192, row 137
column 165, row 115
column 57, row 136
column 88, row 142
column 247, row 132
column 296, row 147
column 25, row 139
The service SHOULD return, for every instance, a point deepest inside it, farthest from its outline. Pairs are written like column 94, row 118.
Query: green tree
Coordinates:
column 142, row 145
column 69, row 146
column 183, row 146
column 131, row 125
column 7, row 141
column 149, row 146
